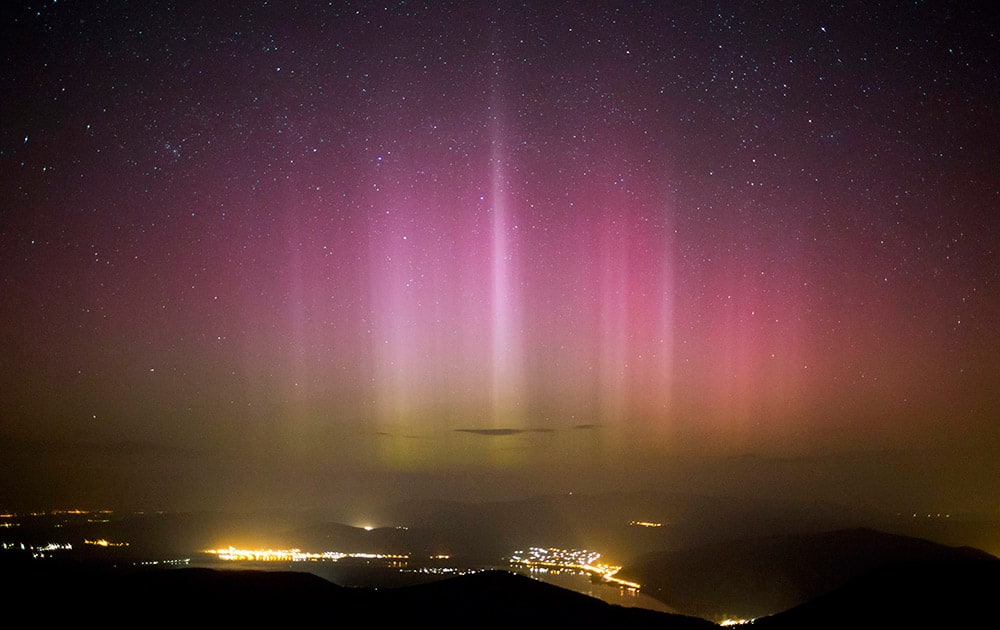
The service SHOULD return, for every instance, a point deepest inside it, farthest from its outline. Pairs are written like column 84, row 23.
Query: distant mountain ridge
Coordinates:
column 950, row 594
column 763, row 576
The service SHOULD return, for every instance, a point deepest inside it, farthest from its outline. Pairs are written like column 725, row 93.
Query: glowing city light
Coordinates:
column 580, row 560
column 296, row 555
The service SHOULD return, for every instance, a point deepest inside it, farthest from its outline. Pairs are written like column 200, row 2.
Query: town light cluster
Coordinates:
column 580, row 560
column 296, row 555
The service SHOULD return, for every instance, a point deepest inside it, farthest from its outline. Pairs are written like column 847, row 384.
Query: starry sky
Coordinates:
column 283, row 251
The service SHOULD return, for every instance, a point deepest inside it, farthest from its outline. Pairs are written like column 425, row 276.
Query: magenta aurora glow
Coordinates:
column 270, row 253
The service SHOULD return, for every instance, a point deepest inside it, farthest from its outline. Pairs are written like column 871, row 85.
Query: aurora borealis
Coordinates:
column 263, row 243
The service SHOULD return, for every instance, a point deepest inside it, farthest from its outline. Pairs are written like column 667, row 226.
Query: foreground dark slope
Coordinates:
column 503, row 599
column 929, row 594
column 489, row 599
column 764, row 576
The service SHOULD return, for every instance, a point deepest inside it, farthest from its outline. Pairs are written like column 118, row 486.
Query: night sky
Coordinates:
column 278, row 253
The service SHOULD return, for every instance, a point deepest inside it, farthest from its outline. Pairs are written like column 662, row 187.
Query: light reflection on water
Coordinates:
column 352, row 574
column 605, row 592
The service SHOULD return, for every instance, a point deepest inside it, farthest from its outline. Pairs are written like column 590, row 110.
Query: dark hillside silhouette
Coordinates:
column 930, row 594
column 63, row 592
column 763, row 576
